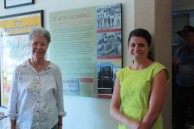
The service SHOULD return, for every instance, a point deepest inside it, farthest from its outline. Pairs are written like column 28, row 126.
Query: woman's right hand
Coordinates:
column 12, row 124
column 133, row 125
column 12, row 127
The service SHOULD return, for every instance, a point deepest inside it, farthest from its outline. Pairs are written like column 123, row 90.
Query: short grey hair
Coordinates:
column 40, row 32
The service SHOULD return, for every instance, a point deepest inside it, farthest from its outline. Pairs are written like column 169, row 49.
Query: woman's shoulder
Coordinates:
column 53, row 65
column 124, row 69
column 157, row 67
column 21, row 65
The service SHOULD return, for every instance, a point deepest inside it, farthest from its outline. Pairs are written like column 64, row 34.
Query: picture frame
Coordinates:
column 17, row 3
column 14, row 30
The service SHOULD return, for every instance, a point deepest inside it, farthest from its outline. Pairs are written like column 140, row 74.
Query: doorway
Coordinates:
column 179, row 20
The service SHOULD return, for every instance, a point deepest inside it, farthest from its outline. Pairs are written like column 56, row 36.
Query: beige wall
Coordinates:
column 163, row 50
column 155, row 15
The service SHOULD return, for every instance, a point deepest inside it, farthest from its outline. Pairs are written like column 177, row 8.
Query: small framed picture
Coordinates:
column 17, row 3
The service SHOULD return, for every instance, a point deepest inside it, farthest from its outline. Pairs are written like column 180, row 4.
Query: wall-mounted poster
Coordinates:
column 14, row 31
column 87, row 45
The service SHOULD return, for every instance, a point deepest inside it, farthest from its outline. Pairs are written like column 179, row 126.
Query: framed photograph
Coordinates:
column 14, row 49
column 17, row 3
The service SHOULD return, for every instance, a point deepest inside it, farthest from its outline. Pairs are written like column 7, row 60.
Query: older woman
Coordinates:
column 36, row 97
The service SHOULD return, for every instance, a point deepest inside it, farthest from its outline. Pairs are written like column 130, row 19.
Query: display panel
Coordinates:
column 87, row 45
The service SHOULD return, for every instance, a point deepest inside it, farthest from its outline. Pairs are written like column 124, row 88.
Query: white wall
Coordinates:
column 82, row 112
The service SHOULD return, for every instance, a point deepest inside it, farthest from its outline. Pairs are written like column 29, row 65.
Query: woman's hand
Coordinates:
column 142, row 126
column 134, row 125
column 60, row 122
column 60, row 126
column 12, row 124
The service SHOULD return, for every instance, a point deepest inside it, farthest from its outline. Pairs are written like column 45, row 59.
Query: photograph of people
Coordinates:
column 109, row 45
column 108, row 16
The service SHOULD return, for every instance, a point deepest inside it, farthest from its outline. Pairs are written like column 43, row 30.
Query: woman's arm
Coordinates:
column 60, row 122
column 115, row 108
column 59, row 92
column 12, row 124
column 158, row 93
column 12, row 103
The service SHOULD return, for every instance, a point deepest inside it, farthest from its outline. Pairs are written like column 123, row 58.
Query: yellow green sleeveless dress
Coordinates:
column 135, row 92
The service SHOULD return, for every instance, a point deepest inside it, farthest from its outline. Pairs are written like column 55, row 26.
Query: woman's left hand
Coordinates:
column 60, row 126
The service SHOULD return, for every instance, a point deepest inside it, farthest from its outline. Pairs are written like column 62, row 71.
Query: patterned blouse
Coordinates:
column 36, row 98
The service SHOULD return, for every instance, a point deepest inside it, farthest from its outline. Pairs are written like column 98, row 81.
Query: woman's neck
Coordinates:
column 35, row 61
column 137, row 65
column 38, row 65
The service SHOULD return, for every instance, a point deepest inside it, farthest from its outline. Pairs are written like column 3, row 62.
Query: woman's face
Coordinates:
column 138, row 48
column 39, row 46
